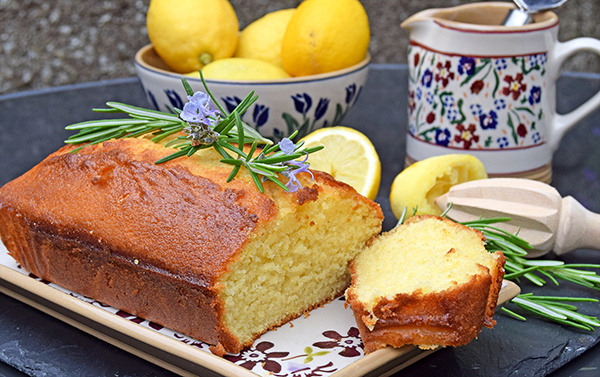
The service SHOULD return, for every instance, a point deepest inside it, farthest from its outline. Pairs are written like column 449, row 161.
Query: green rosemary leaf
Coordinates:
column 278, row 183
column 543, row 310
column 313, row 149
column 143, row 112
column 232, row 148
column 96, row 135
column 210, row 93
column 222, row 151
column 258, row 170
column 193, row 150
column 486, row 221
column 555, row 304
column 177, row 141
column 268, row 167
column 232, row 161
column 535, row 279
column 576, row 265
column 188, row 89
column 575, row 316
column 549, row 276
column 566, row 299
column 276, row 158
column 573, row 279
column 513, row 314
column 163, row 135
column 257, row 181
column 240, row 128
column 252, row 150
column 539, row 263
column 107, row 111
column 520, row 272
column 233, row 173
column 172, row 156
column 104, row 123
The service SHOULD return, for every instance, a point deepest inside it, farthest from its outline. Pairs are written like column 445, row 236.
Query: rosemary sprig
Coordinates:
column 552, row 308
column 204, row 128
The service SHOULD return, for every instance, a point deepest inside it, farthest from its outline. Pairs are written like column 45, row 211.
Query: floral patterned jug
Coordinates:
column 488, row 90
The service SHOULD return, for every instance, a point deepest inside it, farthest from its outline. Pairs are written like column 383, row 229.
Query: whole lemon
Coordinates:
column 241, row 69
column 325, row 36
column 262, row 38
column 188, row 34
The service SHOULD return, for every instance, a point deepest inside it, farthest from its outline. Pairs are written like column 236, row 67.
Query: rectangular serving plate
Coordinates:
column 187, row 357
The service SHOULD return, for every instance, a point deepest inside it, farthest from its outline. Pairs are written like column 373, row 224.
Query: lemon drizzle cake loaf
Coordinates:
column 429, row 282
column 177, row 245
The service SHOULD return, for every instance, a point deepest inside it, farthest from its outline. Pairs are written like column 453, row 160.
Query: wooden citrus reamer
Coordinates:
column 546, row 220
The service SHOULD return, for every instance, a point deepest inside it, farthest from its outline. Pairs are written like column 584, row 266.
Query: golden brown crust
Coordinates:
column 452, row 317
column 170, row 230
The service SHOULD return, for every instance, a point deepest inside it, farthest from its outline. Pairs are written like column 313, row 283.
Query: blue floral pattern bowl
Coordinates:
column 301, row 104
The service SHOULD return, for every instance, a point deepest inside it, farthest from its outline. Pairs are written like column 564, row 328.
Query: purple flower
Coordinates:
column 302, row 103
column 350, row 92
column 198, row 109
column 427, row 78
column 466, row 65
column 260, row 115
column 231, row 102
column 290, row 173
column 535, row 95
column 287, row 146
column 321, row 108
column 487, row 121
column 174, row 98
column 442, row 137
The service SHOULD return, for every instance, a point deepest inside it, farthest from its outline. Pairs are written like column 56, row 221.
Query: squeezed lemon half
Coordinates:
column 417, row 186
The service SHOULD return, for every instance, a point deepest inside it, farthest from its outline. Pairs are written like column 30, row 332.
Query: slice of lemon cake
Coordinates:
column 429, row 282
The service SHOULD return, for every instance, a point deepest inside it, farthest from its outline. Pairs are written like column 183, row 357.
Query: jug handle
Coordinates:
column 564, row 122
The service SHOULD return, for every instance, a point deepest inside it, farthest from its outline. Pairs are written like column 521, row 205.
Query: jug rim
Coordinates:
column 447, row 18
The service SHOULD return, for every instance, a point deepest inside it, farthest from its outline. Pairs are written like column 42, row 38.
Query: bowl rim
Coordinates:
column 140, row 63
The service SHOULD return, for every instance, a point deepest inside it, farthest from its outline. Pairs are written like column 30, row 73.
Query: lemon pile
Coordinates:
column 318, row 36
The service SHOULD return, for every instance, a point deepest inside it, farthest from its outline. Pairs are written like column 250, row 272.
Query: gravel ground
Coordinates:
column 60, row 42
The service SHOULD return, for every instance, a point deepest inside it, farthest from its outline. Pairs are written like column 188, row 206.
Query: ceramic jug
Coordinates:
column 488, row 90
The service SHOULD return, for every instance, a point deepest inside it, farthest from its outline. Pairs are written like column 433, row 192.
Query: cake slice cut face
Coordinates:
column 178, row 245
column 429, row 282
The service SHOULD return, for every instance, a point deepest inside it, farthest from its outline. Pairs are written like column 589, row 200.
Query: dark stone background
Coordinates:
column 60, row 42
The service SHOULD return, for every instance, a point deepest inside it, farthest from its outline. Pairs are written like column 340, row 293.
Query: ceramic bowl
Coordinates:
column 283, row 106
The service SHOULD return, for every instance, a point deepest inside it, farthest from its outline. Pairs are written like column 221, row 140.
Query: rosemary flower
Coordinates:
column 293, row 167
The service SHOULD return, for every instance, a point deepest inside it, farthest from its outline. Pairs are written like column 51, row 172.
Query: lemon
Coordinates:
column 421, row 183
column 349, row 156
column 262, row 38
column 241, row 69
column 187, row 34
column 325, row 36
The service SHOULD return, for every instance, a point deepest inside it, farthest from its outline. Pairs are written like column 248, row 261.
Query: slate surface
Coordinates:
column 39, row 345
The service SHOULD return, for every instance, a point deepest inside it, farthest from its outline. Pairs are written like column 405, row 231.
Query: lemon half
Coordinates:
column 417, row 186
column 349, row 156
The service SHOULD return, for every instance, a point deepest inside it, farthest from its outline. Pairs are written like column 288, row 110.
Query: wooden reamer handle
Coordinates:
column 578, row 228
